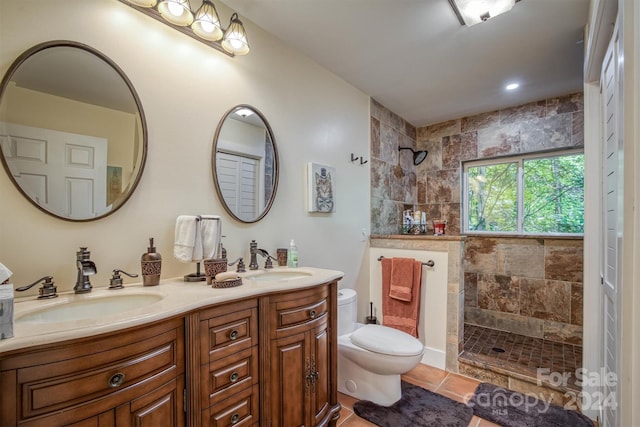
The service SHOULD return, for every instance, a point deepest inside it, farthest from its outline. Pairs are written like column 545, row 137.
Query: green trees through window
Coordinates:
column 525, row 195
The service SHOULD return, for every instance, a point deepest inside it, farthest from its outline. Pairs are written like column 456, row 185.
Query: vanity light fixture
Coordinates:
column 472, row 12
column 235, row 38
column 207, row 23
column 203, row 25
column 177, row 12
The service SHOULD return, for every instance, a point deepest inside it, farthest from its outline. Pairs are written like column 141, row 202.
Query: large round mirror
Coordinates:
column 72, row 131
column 245, row 163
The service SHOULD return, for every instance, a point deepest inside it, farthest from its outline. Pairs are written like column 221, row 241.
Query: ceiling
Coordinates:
column 415, row 58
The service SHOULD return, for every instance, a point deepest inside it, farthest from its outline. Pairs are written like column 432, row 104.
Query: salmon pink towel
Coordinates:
column 401, row 315
column 401, row 284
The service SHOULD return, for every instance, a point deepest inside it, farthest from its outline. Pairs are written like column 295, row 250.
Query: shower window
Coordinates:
column 525, row 195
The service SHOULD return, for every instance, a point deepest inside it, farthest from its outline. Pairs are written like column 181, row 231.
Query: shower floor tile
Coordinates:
column 520, row 354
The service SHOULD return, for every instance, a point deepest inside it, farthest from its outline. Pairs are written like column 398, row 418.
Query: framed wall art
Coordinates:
column 321, row 186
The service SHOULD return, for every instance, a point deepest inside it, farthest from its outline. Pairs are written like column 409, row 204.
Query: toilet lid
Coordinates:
column 385, row 340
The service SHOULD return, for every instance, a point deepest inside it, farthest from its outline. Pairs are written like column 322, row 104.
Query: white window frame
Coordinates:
column 519, row 160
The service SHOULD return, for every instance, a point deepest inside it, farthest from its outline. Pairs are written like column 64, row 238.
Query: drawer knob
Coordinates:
column 233, row 335
column 234, row 418
column 116, row 380
column 234, row 377
column 312, row 314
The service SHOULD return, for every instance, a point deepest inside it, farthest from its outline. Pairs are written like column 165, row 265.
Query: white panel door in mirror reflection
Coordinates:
column 239, row 181
column 65, row 173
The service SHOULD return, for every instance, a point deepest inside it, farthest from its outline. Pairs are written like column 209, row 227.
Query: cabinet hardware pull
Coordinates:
column 116, row 380
column 234, row 418
column 234, row 377
column 233, row 335
column 312, row 314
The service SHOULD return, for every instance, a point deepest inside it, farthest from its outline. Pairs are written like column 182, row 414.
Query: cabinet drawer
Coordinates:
column 55, row 386
column 229, row 333
column 239, row 410
column 299, row 308
column 226, row 376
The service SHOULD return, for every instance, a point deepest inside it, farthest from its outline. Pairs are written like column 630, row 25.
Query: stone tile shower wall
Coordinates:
column 393, row 175
column 537, row 126
column 526, row 286
column 523, row 285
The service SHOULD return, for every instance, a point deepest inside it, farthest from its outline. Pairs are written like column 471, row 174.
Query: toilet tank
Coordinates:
column 347, row 310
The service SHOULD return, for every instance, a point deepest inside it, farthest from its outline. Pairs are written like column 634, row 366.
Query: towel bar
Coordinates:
column 429, row 263
column 200, row 218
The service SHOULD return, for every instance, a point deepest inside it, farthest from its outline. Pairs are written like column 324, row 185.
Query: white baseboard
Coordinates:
column 435, row 358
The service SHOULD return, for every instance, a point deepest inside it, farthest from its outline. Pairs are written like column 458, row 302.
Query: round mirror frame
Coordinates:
column 67, row 43
column 276, row 167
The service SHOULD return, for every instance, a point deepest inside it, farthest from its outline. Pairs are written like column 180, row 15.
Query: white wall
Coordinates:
column 432, row 322
column 185, row 87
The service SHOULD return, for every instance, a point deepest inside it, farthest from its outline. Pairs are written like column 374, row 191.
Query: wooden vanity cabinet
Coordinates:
column 261, row 361
column 299, row 331
column 225, row 365
column 118, row 379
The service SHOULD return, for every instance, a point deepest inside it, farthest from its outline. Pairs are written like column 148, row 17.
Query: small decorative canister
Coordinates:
column 151, row 262
column 439, row 226
column 282, row 257
column 214, row 266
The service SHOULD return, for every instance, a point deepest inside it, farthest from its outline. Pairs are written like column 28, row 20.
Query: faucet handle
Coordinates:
column 116, row 280
column 240, row 268
column 48, row 289
column 268, row 263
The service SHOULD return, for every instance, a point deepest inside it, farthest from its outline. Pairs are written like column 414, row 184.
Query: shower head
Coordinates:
column 418, row 156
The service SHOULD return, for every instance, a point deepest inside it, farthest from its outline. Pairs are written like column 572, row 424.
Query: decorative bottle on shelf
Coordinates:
column 151, row 262
column 292, row 255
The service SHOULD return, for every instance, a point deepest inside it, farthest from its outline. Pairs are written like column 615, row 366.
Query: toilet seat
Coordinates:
column 385, row 340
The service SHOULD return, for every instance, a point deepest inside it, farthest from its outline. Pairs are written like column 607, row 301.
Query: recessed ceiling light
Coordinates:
column 244, row 112
column 512, row 86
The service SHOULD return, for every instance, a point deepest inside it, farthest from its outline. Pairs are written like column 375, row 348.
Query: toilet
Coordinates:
column 371, row 358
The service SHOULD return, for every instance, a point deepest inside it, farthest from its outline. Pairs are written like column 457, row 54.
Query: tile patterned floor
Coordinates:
column 522, row 354
column 453, row 386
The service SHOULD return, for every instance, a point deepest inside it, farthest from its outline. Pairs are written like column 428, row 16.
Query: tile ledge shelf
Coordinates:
column 416, row 237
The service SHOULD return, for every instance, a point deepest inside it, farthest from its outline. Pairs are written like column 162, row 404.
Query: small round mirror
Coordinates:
column 72, row 131
column 245, row 163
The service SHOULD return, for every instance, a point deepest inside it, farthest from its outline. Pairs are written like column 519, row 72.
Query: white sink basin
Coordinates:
column 89, row 308
column 266, row 275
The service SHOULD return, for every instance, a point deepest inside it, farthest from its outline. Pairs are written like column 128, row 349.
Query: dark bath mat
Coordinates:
column 417, row 407
column 512, row 409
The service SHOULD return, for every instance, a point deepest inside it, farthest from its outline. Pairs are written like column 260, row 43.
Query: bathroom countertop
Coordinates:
column 176, row 297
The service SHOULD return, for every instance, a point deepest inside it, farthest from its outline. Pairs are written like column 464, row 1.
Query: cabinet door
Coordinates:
column 289, row 386
column 321, row 373
column 161, row 407
column 106, row 419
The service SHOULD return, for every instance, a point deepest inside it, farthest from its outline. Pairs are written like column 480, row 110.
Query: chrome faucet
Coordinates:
column 86, row 268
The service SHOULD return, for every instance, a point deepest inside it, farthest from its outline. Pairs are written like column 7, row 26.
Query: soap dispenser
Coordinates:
column 292, row 254
column 151, row 262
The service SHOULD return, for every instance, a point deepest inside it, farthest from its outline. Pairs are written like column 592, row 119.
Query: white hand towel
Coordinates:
column 185, row 238
column 211, row 230
column 5, row 273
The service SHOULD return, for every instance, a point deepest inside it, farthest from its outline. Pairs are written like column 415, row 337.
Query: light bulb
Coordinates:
column 237, row 44
column 175, row 9
column 207, row 26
